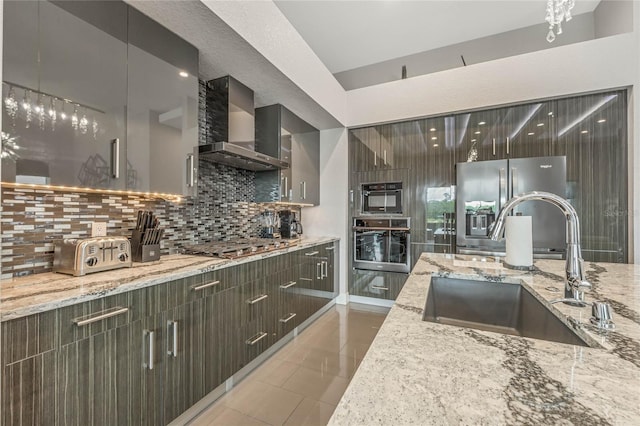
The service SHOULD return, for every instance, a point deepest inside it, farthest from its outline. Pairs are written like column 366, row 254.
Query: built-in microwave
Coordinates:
column 383, row 197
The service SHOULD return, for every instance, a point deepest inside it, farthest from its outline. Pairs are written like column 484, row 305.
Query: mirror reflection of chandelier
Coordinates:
column 44, row 108
column 557, row 11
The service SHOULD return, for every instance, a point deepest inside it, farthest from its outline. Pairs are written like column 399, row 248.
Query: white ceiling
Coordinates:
column 349, row 34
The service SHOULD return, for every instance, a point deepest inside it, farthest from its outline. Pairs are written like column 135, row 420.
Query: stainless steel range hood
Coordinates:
column 242, row 158
column 230, row 128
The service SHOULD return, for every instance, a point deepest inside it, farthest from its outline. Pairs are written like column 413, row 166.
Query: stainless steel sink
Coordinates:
column 500, row 307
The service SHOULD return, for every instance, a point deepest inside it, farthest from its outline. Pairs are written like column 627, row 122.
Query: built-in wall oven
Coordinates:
column 382, row 244
column 382, row 198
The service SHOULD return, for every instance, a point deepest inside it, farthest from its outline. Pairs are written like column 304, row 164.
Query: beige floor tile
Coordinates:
column 355, row 349
column 311, row 413
column 226, row 416
column 329, row 362
column 265, row 402
column 314, row 384
column 275, row 371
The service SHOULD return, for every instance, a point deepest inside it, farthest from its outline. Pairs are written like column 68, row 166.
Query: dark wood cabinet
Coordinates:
column 144, row 357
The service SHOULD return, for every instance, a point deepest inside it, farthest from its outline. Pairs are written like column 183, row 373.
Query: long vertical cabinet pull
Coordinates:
column 172, row 328
column 507, row 145
column 325, row 265
column 493, row 145
column 514, row 183
column 319, row 270
column 384, row 156
column 375, row 158
column 303, row 190
column 502, row 188
column 115, row 158
column 150, row 335
column 191, row 175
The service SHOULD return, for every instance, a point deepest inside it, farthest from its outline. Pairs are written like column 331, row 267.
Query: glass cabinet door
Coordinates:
column 69, row 127
column 162, row 113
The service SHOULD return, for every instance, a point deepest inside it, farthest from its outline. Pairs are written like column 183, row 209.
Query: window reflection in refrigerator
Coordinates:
column 441, row 222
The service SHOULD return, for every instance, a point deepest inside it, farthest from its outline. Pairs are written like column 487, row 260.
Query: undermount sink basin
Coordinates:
column 495, row 306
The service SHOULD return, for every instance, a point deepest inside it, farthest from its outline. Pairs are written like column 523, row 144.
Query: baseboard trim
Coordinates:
column 371, row 301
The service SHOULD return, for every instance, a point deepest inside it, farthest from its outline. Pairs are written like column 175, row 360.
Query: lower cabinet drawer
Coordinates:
column 380, row 285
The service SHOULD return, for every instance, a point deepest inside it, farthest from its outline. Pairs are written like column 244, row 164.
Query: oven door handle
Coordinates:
column 362, row 228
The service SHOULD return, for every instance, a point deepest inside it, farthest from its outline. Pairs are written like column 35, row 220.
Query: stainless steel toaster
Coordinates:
column 84, row 256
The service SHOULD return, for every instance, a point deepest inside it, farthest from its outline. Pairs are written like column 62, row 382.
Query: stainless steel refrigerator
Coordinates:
column 483, row 187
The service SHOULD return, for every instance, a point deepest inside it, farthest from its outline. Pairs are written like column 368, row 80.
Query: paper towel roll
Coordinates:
column 519, row 236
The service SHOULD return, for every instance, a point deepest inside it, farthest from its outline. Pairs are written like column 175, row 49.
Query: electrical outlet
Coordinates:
column 98, row 229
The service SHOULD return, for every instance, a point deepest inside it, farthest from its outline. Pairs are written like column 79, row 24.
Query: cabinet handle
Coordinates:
column 172, row 326
column 351, row 196
column 377, row 287
column 203, row 286
column 514, row 182
column 257, row 299
column 303, row 190
column 326, row 269
column 493, row 142
column 286, row 186
column 287, row 318
column 115, row 158
column 255, row 339
column 191, row 179
column 151, row 336
column 507, row 145
column 385, row 157
column 99, row 317
column 375, row 158
column 313, row 253
column 502, row 188
column 330, row 248
column 288, row 285
column 318, row 271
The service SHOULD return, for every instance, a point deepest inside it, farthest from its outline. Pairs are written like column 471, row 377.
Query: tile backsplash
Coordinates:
column 32, row 219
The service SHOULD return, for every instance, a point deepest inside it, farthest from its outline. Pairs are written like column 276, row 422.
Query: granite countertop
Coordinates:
column 418, row 372
column 31, row 294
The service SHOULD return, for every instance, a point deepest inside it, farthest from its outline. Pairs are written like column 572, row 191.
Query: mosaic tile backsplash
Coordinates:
column 32, row 219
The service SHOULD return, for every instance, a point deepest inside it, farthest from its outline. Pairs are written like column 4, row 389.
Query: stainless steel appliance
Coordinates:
column 270, row 221
column 382, row 198
column 484, row 187
column 290, row 227
column 382, row 244
column 83, row 256
column 238, row 248
column 231, row 115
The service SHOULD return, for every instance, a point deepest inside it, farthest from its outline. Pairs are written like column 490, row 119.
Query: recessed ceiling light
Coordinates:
column 540, row 124
column 433, row 129
column 530, row 133
column 482, row 123
column 435, row 145
column 183, row 74
column 602, row 120
column 477, row 133
column 584, row 132
column 434, row 138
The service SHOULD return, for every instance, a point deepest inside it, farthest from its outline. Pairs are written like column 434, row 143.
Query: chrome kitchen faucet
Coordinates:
column 576, row 283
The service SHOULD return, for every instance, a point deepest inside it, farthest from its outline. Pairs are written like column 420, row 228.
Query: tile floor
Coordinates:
column 302, row 382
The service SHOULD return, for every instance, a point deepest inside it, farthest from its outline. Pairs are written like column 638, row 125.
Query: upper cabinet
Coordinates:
column 280, row 133
column 93, row 97
column 162, row 108
column 380, row 148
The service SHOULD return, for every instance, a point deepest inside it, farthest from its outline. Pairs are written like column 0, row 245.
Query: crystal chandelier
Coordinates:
column 557, row 11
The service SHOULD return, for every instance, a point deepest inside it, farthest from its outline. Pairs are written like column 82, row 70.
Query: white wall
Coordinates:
column 330, row 218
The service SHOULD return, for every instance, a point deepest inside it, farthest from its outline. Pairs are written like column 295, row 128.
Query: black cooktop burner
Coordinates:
column 238, row 248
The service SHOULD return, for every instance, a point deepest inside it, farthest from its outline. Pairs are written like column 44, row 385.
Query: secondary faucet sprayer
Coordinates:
column 575, row 279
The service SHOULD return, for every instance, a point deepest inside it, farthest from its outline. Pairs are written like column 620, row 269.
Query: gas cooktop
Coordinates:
column 238, row 248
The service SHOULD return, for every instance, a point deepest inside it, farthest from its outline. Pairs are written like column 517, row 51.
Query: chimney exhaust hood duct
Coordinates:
column 230, row 121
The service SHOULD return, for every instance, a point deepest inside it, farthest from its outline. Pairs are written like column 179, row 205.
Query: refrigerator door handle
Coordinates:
column 502, row 188
column 507, row 146
column 514, row 182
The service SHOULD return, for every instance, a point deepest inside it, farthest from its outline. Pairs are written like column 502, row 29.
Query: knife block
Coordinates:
column 143, row 253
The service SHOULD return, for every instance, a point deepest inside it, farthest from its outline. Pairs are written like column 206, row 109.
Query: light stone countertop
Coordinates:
column 31, row 294
column 422, row 373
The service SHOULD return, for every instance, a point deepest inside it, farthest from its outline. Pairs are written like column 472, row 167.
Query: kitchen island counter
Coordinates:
column 418, row 372
column 31, row 294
